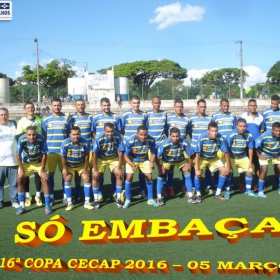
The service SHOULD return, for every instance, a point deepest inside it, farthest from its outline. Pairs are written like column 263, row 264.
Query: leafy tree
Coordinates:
column 144, row 73
column 223, row 78
column 273, row 74
column 11, row 81
column 53, row 76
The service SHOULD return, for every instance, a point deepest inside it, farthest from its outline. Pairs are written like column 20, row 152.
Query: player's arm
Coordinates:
column 21, row 170
column 198, row 171
column 94, row 165
column 228, row 166
column 250, row 154
column 43, row 173
column 86, row 163
column 65, row 171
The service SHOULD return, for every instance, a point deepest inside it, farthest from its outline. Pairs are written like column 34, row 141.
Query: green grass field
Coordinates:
column 175, row 252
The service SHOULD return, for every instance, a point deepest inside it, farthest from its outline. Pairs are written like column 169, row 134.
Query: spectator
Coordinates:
column 119, row 101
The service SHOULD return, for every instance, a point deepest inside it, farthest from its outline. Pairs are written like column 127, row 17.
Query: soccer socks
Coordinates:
column 51, row 182
column 208, row 177
column 113, row 181
column 38, row 183
column 222, row 180
column 101, row 183
column 261, row 185
column 127, row 186
column 68, row 191
column 197, row 186
column 150, row 189
column 47, row 200
column 95, row 190
column 87, row 187
column 21, row 199
column 142, row 181
column 170, row 176
column 188, row 182
column 248, row 181
column 216, row 178
column 119, row 191
column 160, row 182
column 78, row 189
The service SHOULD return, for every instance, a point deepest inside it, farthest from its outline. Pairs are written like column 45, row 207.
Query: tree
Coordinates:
column 53, row 76
column 274, row 73
column 223, row 78
column 11, row 81
column 144, row 73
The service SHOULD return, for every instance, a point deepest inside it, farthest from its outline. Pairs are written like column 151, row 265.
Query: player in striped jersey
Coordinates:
column 131, row 120
column 182, row 122
column 268, row 149
column 137, row 148
column 82, row 120
column 171, row 152
column 156, row 123
column 226, row 122
column 254, row 123
column 207, row 147
column 271, row 114
column 55, row 128
column 106, row 116
column 238, row 140
column 31, row 119
column 198, row 125
column 34, row 148
column 108, row 151
column 74, row 153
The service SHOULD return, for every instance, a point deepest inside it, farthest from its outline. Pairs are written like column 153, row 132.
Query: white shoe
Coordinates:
column 15, row 205
column 88, row 206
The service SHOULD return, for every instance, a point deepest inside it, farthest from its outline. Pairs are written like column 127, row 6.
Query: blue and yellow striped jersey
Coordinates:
column 269, row 117
column 198, row 125
column 226, row 122
column 57, row 130
column 208, row 148
column 32, row 152
column 181, row 122
column 268, row 145
column 130, row 122
column 74, row 153
column 100, row 119
column 84, row 123
column 168, row 152
column 108, row 148
column 157, row 126
column 238, row 143
column 138, row 151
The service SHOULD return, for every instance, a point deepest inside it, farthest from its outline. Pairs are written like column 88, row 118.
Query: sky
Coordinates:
column 200, row 35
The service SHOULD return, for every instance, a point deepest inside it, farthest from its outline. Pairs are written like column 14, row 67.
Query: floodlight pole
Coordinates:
column 38, row 79
column 241, row 68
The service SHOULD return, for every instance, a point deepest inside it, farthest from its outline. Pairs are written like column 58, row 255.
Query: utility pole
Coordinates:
column 38, row 79
column 241, row 68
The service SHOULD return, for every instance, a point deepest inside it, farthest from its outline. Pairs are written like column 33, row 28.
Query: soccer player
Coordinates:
column 31, row 119
column 131, row 120
column 75, row 158
column 270, row 116
column 254, row 123
column 226, row 122
column 181, row 121
column 199, row 125
column 55, row 128
column 238, row 140
column 98, row 121
column 34, row 148
column 8, row 161
column 137, row 148
column 207, row 147
column 82, row 120
column 268, row 149
column 107, row 151
column 171, row 152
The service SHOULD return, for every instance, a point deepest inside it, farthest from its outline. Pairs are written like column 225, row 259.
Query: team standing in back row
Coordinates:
column 137, row 140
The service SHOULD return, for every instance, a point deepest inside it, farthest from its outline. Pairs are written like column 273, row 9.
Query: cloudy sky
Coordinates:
column 199, row 35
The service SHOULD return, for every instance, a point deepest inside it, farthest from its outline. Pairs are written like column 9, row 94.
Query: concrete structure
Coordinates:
column 4, row 90
column 122, row 88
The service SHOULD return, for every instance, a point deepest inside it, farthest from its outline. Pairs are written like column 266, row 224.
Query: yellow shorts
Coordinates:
column 78, row 169
column 145, row 167
column 220, row 155
column 112, row 163
column 274, row 161
column 213, row 164
column 241, row 164
column 52, row 160
column 31, row 167
column 90, row 164
column 168, row 165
